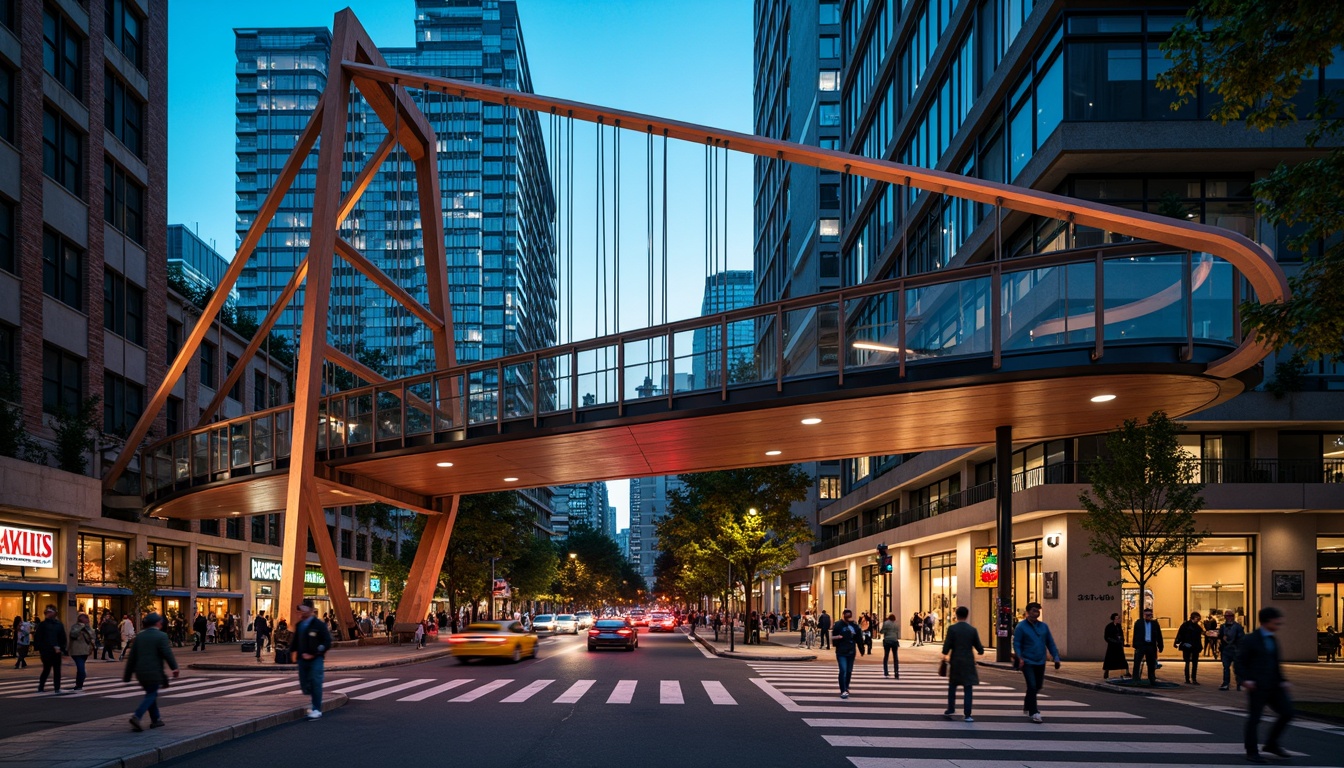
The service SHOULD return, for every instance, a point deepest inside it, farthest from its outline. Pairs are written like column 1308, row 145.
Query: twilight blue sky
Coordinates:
column 688, row 59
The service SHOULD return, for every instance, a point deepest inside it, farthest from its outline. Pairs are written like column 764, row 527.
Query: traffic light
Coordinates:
column 883, row 559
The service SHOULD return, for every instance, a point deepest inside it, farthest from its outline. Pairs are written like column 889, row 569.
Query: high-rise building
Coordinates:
column 194, row 261
column 648, row 505
column 729, row 289
column 1059, row 97
column 580, row 505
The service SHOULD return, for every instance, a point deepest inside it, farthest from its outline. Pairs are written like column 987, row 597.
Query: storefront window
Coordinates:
column 938, row 586
column 101, row 560
column 170, row 565
column 214, row 570
column 874, row 583
column 27, row 604
column 839, row 592
column 1213, row 577
column 1329, row 583
column 1028, row 584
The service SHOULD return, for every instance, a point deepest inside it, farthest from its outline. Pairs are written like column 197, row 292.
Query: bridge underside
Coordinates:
column 735, row 434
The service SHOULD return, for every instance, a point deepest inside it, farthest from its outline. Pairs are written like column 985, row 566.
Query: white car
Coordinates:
column 544, row 623
column 585, row 619
column 566, row 623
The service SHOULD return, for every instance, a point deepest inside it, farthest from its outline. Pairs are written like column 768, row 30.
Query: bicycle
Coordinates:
column 811, row 637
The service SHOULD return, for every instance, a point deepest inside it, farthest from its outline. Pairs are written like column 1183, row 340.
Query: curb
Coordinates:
column 338, row 667
column 744, row 656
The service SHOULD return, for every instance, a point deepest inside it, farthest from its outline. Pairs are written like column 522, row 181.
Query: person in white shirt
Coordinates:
column 127, row 633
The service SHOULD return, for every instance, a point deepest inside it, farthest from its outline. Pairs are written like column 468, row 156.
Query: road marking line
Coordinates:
column 203, row 690
column 1011, row 714
column 575, row 692
column 360, row 686
column 703, row 651
column 477, row 693
column 1039, row 745
column 180, row 687
column 624, row 692
column 378, row 694
column 669, row 692
column 288, row 684
column 780, row 699
column 436, row 690
column 916, row 762
column 526, row 692
column 943, row 725
column 717, row 693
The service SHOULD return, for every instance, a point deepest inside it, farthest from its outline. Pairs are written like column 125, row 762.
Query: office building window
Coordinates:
column 62, row 151
column 8, row 257
column 174, row 340
column 62, row 48
column 62, row 269
column 828, row 487
column 346, row 539
column 124, row 114
column 214, row 570
column 101, row 560
column 170, row 565
column 209, row 354
column 828, row 47
column 828, row 13
column 123, row 202
column 123, row 402
column 62, row 379
column 7, row 13
column 233, row 528
column 361, row 547
column 210, row 527
column 7, row 78
column 828, row 115
column 829, row 228
column 123, row 307
column 174, row 415
column 236, row 391
column 123, row 27
column 828, row 80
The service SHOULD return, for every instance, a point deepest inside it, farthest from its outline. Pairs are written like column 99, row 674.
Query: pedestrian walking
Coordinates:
column 111, row 635
column 310, row 643
column 824, row 629
column 958, row 642
column 866, row 634
column 211, row 630
column 23, row 640
column 1229, row 638
column 127, row 633
column 1033, row 644
column 82, row 643
column 1331, row 643
column 804, row 624
column 917, row 627
column 50, row 639
column 419, row 635
column 262, row 627
column 1190, row 639
column 1115, row 649
column 931, row 626
column 1211, row 635
column 845, row 637
column 1147, row 643
column 1261, row 674
column 198, row 627
column 148, row 655
column 890, row 631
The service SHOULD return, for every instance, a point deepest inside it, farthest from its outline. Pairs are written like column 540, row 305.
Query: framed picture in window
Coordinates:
column 1287, row 585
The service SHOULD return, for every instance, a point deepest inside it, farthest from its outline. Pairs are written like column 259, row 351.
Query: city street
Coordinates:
column 669, row 696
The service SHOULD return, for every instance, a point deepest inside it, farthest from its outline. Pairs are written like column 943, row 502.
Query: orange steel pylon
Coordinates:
column 408, row 128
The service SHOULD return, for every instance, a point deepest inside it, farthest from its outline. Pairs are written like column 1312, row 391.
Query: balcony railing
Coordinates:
column 1207, row 471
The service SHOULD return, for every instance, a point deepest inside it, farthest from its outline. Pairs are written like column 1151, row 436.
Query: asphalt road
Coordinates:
column 668, row 703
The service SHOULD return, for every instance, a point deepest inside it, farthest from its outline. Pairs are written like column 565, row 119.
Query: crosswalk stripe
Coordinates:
column 717, row 693
column 205, row 690
column 971, row 728
column 1008, row 714
column 436, row 690
column 1040, row 745
column 575, row 692
column 358, row 686
column 526, row 692
column 380, row 693
column 287, row 684
column 623, row 693
column 929, row 762
column 876, row 698
column 477, row 693
column 194, row 683
column 669, row 692
column 102, row 687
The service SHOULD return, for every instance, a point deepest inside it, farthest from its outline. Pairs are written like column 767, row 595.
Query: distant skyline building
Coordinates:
column 582, row 504
column 195, row 260
column 648, row 505
column 729, row 289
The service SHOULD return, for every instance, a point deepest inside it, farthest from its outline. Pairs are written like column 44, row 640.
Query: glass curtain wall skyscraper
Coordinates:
column 729, row 289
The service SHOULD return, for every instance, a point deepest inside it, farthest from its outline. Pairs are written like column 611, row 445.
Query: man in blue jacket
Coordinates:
column 311, row 641
column 1032, row 642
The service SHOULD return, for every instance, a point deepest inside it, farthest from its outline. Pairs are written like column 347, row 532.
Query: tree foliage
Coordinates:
column 597, row 574
column 489, row 526
column 141, row 578
column 742, row 516
column 1140, row 510
column 75, row 430
column 393, row 571
column 532, row 570
column 1256, row 57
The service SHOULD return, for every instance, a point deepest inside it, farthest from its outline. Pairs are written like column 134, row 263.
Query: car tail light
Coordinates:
column 594, row 632
column 622, row 631
column 456, row 639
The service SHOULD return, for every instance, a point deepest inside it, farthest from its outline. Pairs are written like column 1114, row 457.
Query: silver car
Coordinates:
column 585, row 619
column 566, row 623
column 544, row 623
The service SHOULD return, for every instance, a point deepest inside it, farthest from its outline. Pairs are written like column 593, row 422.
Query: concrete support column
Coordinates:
column 1288, row 543
column 69, row 565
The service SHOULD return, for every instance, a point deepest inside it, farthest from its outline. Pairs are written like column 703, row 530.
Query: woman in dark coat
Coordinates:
column 958, row 642
column 1115, row 649
column 1190, row 639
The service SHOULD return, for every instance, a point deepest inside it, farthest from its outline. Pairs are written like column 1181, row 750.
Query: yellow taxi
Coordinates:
column 504, row 639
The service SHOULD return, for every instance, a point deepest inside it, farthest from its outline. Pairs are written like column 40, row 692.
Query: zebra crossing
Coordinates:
column 451, row 691
column 899, row 724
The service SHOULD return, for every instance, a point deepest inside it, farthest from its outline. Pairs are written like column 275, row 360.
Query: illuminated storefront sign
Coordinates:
column 265, row 570
column 314, row 577
column 986, row 567
column 375, row 584
column 26, row 547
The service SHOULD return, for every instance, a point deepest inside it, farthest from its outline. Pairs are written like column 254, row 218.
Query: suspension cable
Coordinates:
column 616, row 227
column 664, row 226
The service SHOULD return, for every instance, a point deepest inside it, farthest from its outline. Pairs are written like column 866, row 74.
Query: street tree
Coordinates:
column 1141, row 507
column 1261, row 60
column 141, row 579
column 489, row 526
column 739, row 516
column 592, row 571
column 392, row 570
column 532, row 570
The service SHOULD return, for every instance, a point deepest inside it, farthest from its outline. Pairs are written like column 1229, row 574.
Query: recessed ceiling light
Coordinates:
column 444, row 464
column 811, row 421
column 1103, row 398
column 875, row 347
column 773, row 453
column 510, row 479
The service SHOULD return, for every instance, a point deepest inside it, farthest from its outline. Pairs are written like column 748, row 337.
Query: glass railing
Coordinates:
column 1139, row 294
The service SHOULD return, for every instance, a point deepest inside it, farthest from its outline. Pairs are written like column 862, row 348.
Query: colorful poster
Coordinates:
column 986, row 567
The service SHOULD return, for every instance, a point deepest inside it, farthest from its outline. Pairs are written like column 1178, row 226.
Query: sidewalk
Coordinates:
column 340, row 659
column 190, row 727
column 768, row 650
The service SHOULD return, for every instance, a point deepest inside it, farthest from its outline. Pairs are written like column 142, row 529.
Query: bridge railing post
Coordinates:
column 1099, row 307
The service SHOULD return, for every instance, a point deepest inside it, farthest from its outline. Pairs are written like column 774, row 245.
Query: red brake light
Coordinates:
column 622, row 631
column 594, row 632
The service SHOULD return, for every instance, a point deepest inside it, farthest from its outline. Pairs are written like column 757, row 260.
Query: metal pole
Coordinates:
column 1003, row 465
column 732, row 617
column 492, row 588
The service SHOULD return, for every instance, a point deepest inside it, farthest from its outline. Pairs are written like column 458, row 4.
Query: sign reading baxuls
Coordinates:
column 265, row 570
column 26, row 547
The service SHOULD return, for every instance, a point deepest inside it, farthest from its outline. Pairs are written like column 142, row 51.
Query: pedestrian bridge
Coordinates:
column 1122, row 314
